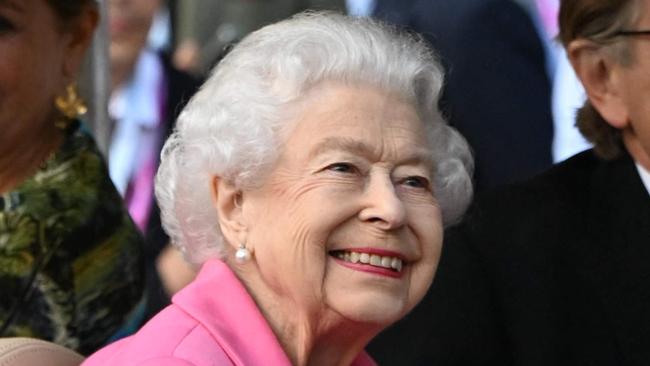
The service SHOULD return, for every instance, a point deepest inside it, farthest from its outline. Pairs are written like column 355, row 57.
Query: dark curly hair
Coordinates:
column 598, row 21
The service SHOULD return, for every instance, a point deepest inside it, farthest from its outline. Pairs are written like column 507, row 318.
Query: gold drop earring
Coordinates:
column 70, row 105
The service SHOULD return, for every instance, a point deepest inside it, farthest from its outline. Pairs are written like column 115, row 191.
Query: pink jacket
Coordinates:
column 213, row 321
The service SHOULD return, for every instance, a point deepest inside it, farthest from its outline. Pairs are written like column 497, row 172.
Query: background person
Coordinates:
column 555, row 271
column 147, row 93
column 498, row 86
column 330, row 172
column 205, row 29
column 70, row 257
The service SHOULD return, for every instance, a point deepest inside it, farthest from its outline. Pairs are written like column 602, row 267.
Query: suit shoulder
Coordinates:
column 547, row 202
column 565, row 182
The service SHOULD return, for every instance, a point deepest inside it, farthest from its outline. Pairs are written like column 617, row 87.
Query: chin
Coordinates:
column 374, row 307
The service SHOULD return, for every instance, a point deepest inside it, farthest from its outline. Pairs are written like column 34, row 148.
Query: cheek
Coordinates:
column 310, row 210
column 429, row 231
column 425, row 270
column 18, row 71
column 8, row 81
column 290, row 234
column 643, row 133
column 292, row 262
column 27, row 93
column 50, row 81
column 640, row 121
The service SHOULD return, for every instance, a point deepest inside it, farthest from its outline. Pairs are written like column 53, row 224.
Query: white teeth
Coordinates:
column 396, row 264
column 354, row 257
column 375, row 260
column 371, row 259
column 386, row 261
column 364, row 258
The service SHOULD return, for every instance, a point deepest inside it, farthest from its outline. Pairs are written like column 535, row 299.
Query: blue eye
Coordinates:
column 416, row 182
column 342, row 168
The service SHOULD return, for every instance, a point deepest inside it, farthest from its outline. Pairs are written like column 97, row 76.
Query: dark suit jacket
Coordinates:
column 555, row 271
column 497, row 91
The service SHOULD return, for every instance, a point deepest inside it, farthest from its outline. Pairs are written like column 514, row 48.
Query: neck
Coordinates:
column 23, row 149
column 316, row 336
column 636, row 149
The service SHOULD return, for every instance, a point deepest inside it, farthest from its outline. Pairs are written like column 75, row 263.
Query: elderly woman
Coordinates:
column 68, row 249
column 311, row 176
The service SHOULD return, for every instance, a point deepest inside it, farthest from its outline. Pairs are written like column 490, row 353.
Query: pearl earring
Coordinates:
column 242, row 255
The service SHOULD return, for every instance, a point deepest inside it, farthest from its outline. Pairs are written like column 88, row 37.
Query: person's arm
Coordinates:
column 186, row 15
column 196, row 22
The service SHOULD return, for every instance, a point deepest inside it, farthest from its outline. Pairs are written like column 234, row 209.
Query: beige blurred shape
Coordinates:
column 36, row 352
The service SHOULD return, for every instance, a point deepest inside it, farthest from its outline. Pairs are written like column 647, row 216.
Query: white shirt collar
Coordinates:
column 360, row 8
column 135, row 109
column 645, row 176
column 137, row 100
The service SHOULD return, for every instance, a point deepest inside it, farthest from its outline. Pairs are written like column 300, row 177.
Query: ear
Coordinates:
column 227, row 200
column 598, row 72
column 79, row 35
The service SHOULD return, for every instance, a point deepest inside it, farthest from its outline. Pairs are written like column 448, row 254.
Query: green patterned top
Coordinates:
column 71, row 266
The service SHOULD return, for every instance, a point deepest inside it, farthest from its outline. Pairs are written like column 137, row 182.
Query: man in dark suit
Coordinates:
column 497, row 91
column 555, row 271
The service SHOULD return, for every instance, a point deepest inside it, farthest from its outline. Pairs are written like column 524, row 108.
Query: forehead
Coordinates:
column 365, row 114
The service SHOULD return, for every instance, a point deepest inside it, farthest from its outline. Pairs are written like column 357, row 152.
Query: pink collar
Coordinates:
column 218, row 300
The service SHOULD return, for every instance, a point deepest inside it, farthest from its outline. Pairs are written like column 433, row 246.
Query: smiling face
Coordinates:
column 352, row 185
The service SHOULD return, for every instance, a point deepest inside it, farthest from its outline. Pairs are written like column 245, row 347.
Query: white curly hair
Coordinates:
column 231, row 127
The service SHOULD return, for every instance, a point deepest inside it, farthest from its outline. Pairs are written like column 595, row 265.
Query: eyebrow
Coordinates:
column 419, row 156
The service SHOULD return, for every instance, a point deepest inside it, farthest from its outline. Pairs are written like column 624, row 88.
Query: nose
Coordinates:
column 382, row 206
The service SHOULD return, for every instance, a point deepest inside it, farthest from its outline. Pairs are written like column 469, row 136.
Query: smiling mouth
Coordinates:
column 379, row 261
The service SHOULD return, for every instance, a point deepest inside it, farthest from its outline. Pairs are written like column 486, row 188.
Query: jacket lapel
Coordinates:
column 221, row 304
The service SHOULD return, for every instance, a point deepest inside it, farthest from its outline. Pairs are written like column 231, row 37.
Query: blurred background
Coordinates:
column 509, row 88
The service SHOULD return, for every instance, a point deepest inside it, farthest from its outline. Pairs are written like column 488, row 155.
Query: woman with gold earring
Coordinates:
column 70, row 256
